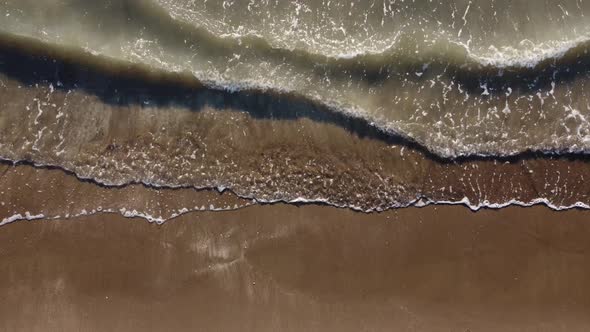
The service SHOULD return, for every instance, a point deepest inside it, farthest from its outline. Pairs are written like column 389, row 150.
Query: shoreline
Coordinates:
column 181, row 165
column 37, row 178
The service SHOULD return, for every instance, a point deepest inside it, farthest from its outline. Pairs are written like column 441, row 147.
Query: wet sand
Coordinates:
column 309, row 268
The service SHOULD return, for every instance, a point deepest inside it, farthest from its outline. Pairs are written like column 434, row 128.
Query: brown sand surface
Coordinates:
column 310, row 268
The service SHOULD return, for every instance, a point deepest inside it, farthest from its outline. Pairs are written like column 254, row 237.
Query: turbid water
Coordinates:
column 363, row 104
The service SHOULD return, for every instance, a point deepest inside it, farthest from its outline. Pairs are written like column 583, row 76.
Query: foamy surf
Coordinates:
column 443, row 83
column 355, row 111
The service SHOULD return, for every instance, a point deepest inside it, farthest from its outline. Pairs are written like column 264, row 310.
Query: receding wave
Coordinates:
column 119, row 123
column 358, row 113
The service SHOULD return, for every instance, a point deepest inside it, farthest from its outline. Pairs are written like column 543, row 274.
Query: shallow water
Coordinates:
column 364, row 104
column 460, row 78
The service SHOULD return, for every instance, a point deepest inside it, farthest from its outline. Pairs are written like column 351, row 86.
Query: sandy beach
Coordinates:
column 289, row 268
column 182, row 165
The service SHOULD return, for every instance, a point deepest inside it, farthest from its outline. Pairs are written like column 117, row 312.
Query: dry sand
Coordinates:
column 310, row 268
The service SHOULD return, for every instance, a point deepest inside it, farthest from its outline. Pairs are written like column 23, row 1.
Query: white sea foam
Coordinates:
column 419, row 203
column 16, row 217
column 527, row 55
column 496, row 206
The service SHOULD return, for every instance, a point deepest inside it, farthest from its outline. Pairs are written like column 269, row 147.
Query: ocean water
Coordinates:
column 363, row 104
